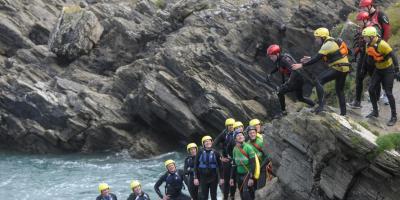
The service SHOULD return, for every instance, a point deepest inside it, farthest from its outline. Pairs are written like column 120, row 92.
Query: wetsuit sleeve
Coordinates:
column 219, row 165
column 395, row 60
column 219, row 140
column 252, row 163
column 185, row 166
column 131, row 197
column 182, row 175
column 158, row 184
column 383, row 20
column 196, row 163
column 147, row 196
column 314, row 59
column 233, row 169
column 274, row 70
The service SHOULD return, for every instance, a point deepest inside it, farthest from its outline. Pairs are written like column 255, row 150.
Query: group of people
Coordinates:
column 236, row 160
column 373, row 54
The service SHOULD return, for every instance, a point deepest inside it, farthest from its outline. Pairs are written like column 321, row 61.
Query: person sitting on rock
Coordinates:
column 137, row 193
column 295, row 82
column 262, row 154
column 334, row 52
column 207, row 169
column 387, row 69
column 226, row 141
column 174, row 180
column 105, row 193
column 189, row 170
column 243, row 167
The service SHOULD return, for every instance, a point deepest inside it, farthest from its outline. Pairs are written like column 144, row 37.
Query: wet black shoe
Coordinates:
column 373, row 114
column 355, row 104
column 318, row 109
column 392, row 121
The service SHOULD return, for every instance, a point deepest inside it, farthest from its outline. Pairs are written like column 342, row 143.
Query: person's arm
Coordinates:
column 274, row 71
column 158, row 184
column 383, row 20
column 314, row 59
column 233, row 169
column 185, row 166
column 395, row 61
column 219, row 163
column 182, row 175
column 196, row 163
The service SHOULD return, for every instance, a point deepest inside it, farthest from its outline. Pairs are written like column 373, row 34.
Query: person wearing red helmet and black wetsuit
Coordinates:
column 377, row 18
column 295, row 81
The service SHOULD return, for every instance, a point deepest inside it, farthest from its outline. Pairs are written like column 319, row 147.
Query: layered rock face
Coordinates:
column 112, row 75
column 328, row 157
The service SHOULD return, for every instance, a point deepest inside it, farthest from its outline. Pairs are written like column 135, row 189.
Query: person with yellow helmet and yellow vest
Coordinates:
column 387, row 69
column 208, row 169
column 226, row 141
column 334, row 52
column 137, row 192
column 174, row 180
column 243, row 168
column 188, row 170
column 262, row 154
column 105, row 193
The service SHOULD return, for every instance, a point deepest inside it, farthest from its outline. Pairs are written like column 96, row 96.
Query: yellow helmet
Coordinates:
column 254, row 122
column 191, row 145
column 168, row 162
column 237, row 124
column 103, row 186
column 370, row 32
column 321, row 32
column 207, row 137
column 135, row 184
column 229, row 122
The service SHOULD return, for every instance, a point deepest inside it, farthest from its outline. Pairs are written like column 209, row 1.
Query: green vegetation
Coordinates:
column 161, row 4
column 388, row 142
column 365, row 125
column 394, row 17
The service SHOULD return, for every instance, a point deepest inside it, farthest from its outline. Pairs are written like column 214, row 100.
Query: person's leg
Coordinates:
column 300, row 97
column 360, row 76
column 226, row 173
column 193, row 190
column 323, row 78
column 374, row 82
column 387, row 82
column 203, row 188
column 339, row 87
column 213, row 189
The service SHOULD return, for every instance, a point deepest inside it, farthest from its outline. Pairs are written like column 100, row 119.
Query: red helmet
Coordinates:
column 361, row 16
column 273, row 49
column 365, row 3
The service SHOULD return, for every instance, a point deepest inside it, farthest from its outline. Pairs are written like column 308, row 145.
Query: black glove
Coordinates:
column 268, row 78
column 397, row 75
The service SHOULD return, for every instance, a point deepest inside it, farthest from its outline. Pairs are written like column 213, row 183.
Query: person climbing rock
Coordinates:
column 105, row 193
column 208, row 169
column 243, row 167
column 295, row 81
column 377, row 19
column 257, row 124
column 334, row 52
column 387, row 69
column 174, row 180
column 262, row 154
column 226, row 141
column 137, row 193
column 364, row 67
column 189, row 170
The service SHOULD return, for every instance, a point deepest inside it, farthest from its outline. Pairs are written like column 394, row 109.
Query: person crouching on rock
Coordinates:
column 137, row 193
column 208, row 169
column 105, row 193
column 243, row 167
column 295, row 82
column 334, row 52
column 174, row 180
column 189, row 170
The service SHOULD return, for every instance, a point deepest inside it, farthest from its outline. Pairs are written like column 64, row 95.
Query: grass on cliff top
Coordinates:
column 388, row 142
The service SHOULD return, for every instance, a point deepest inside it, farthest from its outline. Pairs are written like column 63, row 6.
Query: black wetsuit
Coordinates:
column 173, row 185
column 293, row 84
column 110, row 197
column 207, row 169
column 226, row 141
column 189, row 177
column 142, row 196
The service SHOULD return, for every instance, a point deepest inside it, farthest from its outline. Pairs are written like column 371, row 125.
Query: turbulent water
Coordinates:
column 76, row 176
